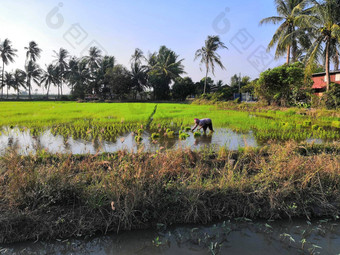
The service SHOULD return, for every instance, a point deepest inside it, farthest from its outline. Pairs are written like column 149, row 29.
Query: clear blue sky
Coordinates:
column 121, row 26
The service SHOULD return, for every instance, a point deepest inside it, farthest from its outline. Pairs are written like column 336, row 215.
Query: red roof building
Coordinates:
column 320, row 81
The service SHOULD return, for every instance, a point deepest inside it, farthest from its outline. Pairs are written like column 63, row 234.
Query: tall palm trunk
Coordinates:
column 328, row 77
column 2, row 81
column 48, row 90
column 288, row 55
column 18, row 92
column 336, row 60
column 206, row 77
column 29, row 87
column 7, row 91
column 294, row 46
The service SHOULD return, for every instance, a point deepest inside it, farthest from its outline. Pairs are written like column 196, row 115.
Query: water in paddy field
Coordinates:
column 239, row 236
column 24, row 143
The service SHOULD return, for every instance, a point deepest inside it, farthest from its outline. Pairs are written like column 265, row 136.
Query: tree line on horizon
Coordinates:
column 102, row 77
column 308, row 32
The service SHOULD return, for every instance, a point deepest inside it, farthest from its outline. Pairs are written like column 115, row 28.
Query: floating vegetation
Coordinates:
column 197, row 134
column 138, row 138
column 170, row 134
column 155, row 136
column 183, row 136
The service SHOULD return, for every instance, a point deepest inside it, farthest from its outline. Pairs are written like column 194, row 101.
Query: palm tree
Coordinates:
column 209, row 55
column 166, row 69
column 33, row 72
column 323, row 23
column 33, row 52
column 78, row 77
column 99, row 81
column 19, row 78
column 93, row 60
column 94, row 57
column 285, row 37
column 138, row 71
column 49, row 77
column 7, row 54
column 71, row 72
column 139, row 77
column 8, row 80
column 137, row 57
column 61, row 63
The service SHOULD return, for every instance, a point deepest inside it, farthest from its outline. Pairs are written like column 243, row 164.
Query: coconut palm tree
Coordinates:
column 323, row 23
column 99, row 81
column 137, row 57
column 19, row 80
column 94, row 58
column 33, row 72
column 78, row 77
column 167, row 67
column 139, row 77
column 49, row 77
column 209, row 56
column 61, row 62
column 7, row 54
column 285, row 37
column 138, row 71
column 8, row 80
column 72, row 71
column 32, row 52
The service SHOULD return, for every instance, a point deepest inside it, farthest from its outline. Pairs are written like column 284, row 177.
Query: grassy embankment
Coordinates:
column 61, row 196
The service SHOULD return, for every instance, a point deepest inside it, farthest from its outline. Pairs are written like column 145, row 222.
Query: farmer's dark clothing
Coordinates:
column 204, row 123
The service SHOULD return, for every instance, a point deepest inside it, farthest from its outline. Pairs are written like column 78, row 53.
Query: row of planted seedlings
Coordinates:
column 296, row 131
column 271, row 125
column 94, row 131
column 293, row 125
column 165, row 129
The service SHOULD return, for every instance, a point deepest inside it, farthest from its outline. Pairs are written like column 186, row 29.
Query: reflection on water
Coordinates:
column 240, row 236
column 24, row 143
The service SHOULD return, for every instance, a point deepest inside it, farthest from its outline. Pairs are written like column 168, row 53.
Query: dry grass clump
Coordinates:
column 59, row 196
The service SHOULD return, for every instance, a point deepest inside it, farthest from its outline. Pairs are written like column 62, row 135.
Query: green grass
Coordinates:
column 107, row 121
column 47, row 114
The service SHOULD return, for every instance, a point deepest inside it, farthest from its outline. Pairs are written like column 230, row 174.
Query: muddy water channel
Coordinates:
column 239, row 236
column 25, row 143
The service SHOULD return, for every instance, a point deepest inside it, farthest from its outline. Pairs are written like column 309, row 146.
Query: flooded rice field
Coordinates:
column 25, row 143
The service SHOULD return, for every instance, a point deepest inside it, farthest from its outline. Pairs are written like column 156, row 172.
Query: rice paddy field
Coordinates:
column 107, row 121
column 291, row 169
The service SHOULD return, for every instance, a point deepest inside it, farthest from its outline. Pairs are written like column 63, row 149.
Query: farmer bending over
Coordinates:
column 203, row 123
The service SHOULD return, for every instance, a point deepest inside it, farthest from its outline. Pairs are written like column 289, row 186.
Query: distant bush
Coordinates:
column 182, row 88
column 332, row 97
column 284, row 85
column 65, row 98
